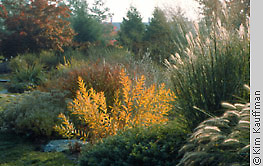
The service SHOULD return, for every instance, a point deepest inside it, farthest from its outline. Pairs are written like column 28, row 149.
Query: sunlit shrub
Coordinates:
column 33, row 114
column 134, row 105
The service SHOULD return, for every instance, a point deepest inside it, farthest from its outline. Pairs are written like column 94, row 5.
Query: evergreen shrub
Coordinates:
column 155, row 145
column 33, row 113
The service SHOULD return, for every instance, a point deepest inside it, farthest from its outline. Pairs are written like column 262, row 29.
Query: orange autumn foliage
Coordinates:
column 35, row 25
column 135, row 105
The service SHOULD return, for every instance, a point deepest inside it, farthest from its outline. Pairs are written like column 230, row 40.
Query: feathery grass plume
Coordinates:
column 228, row 106
column 134, row 105
column 212, row 69
column 247, row 87
column 220, row 141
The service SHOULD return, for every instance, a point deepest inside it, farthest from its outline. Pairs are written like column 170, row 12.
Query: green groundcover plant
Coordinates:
column 156, row 145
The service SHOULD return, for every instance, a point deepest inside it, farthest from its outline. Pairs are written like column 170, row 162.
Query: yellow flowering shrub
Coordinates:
column 134, row 105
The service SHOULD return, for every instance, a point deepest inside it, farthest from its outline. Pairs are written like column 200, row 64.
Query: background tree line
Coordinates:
column 35, row 25
column 164, row 36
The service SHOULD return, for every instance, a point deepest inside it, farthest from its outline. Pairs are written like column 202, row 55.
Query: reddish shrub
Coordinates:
column 101, row 77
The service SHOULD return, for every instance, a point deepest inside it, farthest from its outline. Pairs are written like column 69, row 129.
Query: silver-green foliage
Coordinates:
column 33, row 114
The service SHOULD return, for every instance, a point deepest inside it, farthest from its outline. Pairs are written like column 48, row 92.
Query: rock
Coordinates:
column 3, row 80
column 4, row 68
column 4, row 91
column 61, row 145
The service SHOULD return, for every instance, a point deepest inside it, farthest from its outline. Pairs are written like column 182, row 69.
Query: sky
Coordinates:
column 146, row 7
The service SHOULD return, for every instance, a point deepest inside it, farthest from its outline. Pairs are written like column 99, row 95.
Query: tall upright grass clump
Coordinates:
column 214, row 67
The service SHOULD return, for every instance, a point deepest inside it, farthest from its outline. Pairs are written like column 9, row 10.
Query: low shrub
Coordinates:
column 5, row 99
column 33, row 114
column 155, row 145
column 109, row 54
column 101, row 77
column 49, row 59
column 28, row 70
column 114, row 57
column 221, row 141
column 25, row 74
column 134, row 105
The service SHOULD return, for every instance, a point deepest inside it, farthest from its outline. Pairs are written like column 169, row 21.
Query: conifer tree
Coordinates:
column 159, row 37
column 87, row 21
column 132, row 31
